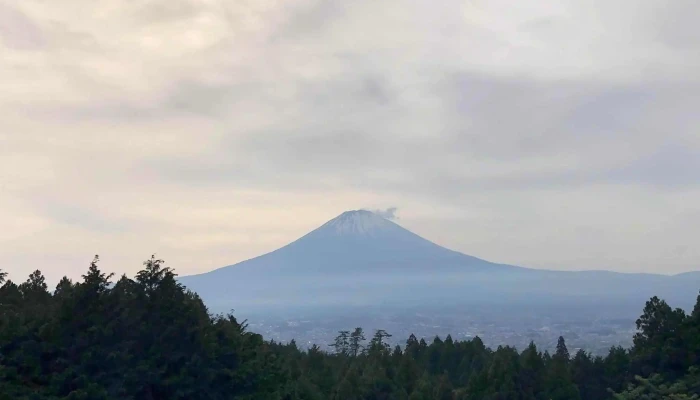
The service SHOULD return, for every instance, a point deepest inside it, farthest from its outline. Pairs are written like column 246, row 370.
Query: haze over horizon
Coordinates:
column 555, row 135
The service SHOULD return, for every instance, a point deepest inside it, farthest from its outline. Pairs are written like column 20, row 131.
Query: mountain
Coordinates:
column 360, row 258
column 357, row 241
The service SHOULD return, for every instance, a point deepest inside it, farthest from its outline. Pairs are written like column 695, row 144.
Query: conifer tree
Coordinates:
column 559, row 384
column 357, row 337
column 342, row 343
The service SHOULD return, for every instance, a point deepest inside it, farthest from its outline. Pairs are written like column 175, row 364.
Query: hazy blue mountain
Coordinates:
column 360, row 258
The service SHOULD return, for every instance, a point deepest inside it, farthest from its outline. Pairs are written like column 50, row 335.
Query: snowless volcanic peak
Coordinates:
column 356, row 222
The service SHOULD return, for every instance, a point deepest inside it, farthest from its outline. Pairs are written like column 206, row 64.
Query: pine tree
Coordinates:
column 692, row 334
column 559, row 383
column 434, row 355
column 342, row 343
column 349, row 386
column 424, row 389
column 378, row 342
column 63, row 288
column 657, row 345
column 413, row 347
column 616, row 369
column 503, row 373
column 587, row 376
column 34, row 290
column 655, row 387
column 357, row 337
column 153, row 274
column 10, row 296
column 443, row 389
column 408, row 373
column 532, row 370
column 96, row 280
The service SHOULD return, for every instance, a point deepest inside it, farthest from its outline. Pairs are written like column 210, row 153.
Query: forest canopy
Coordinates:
column 150, row 338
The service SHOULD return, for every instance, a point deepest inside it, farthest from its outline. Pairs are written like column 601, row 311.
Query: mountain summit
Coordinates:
column 363, row 241
column 357, row 222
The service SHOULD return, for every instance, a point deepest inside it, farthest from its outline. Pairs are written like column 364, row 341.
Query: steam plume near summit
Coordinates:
column 388, row 213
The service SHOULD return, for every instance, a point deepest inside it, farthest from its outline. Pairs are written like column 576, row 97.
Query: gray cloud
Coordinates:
column 168, row 11
column 88, row 220
column 488, row 134
column 530, row 137
column 17, row 31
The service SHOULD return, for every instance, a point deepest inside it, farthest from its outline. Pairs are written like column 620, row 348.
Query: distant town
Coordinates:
column 594, row 335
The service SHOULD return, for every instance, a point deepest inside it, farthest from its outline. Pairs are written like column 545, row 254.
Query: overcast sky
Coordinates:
column 552, row 134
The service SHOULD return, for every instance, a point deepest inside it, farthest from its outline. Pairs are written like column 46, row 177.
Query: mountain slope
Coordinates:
column 356, row 241
column 362, row 258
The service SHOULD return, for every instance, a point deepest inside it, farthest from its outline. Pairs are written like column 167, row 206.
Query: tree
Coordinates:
column 692, row 334
column 559, row 384
column 434, row 356
column 34, row 290
column 424, row 389
column 35, row 299
column 503, row 374
column 357, row 337
column 443, row 389
column 349, row 386
column 587, row 375
column 655, row 388
column 562, row 353
column 154, row 273
column 342, row 343
column 658, row 346
column 413, row 347
column 63, row 288
column 478, row 385
column 150, row 338
column 408, row 373
column 616, row 369
column 532, row 372
column 378, row 343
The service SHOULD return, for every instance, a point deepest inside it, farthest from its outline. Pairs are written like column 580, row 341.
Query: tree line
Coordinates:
column 150, row 338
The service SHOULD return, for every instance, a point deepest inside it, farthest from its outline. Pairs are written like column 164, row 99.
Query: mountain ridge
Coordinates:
column 361, row 256
column 390, row 223
column 359, row 228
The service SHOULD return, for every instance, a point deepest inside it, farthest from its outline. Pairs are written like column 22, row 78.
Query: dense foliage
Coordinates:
column 150, row 338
